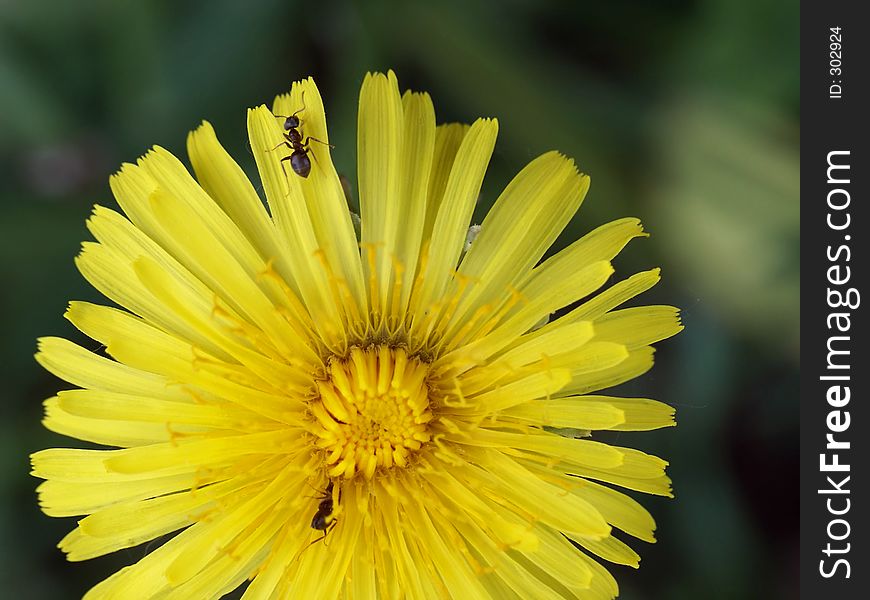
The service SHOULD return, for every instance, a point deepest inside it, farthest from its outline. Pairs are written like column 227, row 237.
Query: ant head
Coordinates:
column 291, row 122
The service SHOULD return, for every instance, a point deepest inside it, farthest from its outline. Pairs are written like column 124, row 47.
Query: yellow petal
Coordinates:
column 567, row 412
column 527, row 350
column 323, row 192
column 232, row 384
column 454, row 214
column 272, row 370
column 506, row 527
column 458, row 577
column 186, row 454
column 108, row 267
column 234, row 563
column 128, row 524
column 615, row 295
column 124, row 433
column 293, row 221
column 85, row 369
column 448, row 139
column 379, row 153
column 111, row 406
column 173, row 179
column 548, row 503
column 639, row 471
column 553, row 446
column 618, row 509
column 222, row 529
column 538, row 385
column 223, row 180
column 558, row 558
column 547, row 290
column 638, row 362
column 558, row 340
column 602, row 586
column 203, row 252
column 523, row 223
column 639, row 326
column 418, row 148
column 603, row 243
column 641, row 414
column 611, row 549
column 62, row 498
column 146, row 578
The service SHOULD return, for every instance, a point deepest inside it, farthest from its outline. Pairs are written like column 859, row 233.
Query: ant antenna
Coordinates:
column 303, row 105
column 296, row 112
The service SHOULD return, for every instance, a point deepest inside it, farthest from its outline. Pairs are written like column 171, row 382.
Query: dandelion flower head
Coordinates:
column 328, row 405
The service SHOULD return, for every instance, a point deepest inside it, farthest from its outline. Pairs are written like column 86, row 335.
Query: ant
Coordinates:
column 323, row 519
column 299, row 160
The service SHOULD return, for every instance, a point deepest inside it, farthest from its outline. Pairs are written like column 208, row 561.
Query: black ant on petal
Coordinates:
column 323, row 520
column 293, row 139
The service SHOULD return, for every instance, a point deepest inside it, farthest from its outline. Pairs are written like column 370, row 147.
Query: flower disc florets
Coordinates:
column 372, row 410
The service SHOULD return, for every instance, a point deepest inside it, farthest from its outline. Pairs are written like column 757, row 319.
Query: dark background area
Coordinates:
column 684, row 112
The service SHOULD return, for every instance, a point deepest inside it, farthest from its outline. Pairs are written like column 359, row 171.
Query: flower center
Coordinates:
column 373, row 411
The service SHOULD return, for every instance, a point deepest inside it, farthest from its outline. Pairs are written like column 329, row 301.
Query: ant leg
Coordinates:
column 283, row 165
column 321, row 494
column 314, row 139
column 310, row 139
column 318, row 490
column 329, row 528
column 307, row 547
column 284, row 143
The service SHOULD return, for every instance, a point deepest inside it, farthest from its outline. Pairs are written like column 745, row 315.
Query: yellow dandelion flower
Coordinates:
column 325, row 415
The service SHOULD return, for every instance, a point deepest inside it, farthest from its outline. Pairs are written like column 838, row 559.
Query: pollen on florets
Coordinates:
column 372, row 411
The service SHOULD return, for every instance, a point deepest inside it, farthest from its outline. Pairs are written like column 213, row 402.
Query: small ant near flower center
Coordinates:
column 323, row 520
column 293, row 139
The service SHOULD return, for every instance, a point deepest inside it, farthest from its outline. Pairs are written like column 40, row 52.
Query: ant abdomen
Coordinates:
column 300, row 163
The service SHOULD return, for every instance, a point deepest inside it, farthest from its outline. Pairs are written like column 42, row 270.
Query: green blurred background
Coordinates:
column 684, row 112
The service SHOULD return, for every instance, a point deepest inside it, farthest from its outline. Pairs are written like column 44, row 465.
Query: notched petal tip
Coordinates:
column 638, row 225
column 410, row 94
column 488, row 122
column 70, row 312
column 43, row 345
column 203, row 129
column 678, row 318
